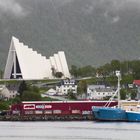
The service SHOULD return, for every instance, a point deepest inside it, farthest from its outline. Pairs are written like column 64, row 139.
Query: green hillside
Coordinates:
column 91, row 32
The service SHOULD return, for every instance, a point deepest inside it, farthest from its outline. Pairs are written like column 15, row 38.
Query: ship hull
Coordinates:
column 109, row 114
column 133, row 116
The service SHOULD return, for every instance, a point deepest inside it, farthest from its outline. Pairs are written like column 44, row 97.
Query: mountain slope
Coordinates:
column 90, row 32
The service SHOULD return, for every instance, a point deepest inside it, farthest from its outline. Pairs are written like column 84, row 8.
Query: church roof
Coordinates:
column 25, row 63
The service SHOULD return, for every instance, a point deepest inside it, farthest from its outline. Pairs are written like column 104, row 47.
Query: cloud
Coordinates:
column 120, row 4
column 12, row 7
column 111, row 18
column 115, row 19
column 112, row 9
column 60, row 3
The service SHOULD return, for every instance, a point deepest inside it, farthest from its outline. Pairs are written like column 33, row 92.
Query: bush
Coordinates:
column 71, row 95
column 123, row 94
column 30, row 96
column 4, row 105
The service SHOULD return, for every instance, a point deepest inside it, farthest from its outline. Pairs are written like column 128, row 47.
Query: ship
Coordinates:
column 107, row 113
column 133, row 116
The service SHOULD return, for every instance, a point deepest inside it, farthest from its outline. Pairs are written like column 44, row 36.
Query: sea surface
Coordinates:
column 72, row 130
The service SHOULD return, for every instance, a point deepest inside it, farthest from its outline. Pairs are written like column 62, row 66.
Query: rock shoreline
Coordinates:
column 46, row 118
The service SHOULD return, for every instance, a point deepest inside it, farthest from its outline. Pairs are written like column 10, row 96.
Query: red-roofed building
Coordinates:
column 136, row 82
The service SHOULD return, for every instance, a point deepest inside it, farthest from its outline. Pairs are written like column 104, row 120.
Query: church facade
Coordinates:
column 25, row 63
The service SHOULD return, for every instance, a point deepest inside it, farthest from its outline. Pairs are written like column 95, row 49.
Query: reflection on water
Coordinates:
column 84, row 130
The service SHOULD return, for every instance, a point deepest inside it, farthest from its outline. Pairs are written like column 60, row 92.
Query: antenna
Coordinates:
column 118, row 74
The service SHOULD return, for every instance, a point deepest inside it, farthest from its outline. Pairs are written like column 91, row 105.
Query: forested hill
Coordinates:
column 91, row 32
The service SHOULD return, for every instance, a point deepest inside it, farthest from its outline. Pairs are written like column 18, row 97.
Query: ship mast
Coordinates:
column 118, row 74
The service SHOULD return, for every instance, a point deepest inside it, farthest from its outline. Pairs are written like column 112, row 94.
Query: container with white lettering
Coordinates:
column 48, row 112
column 57, row 111
column 38, row 112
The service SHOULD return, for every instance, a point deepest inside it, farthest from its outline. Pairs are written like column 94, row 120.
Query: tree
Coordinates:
column 127, row 79
column 123, row 94
column 115, row 65
column 74, row 71
column 86, row 71
column 34, row 89
column 82, row 87
column 16, row 100
column 58, row 74
column 22, row 88
column 112, row 80
column 71, row 95
column 124, row 67
column 4, row 105
column 30, row 96
column 136, row 68
column 133, row 94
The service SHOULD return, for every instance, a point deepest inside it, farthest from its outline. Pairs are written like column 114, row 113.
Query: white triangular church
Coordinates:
column 25, row 63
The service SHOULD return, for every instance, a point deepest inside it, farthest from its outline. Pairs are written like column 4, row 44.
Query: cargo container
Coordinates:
column 56, row 107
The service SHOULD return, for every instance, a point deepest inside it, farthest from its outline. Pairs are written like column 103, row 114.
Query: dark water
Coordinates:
column 87, row 130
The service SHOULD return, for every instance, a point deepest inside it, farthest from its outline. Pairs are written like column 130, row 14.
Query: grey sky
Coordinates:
column 16, row 8
column 12, row 7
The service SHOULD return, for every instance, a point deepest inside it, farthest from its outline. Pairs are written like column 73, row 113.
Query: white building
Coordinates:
column 99, row 92
column 25, row 63
column 51, row 92
column 65, row 86
column 8, row 92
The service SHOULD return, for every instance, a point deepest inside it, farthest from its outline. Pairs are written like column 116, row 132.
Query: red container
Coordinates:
column 57, row 107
